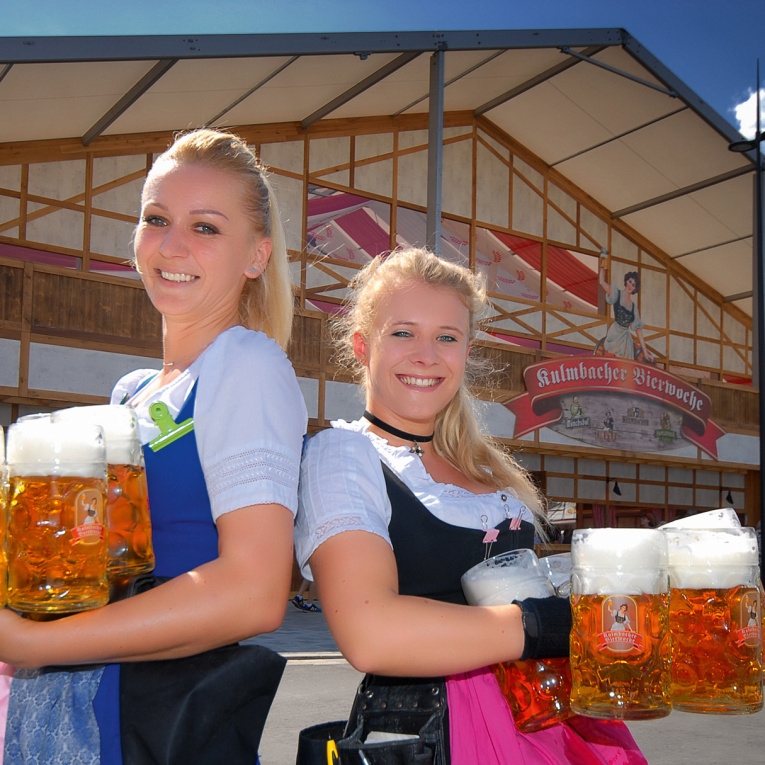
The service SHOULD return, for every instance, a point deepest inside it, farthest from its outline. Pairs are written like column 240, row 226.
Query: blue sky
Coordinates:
column 712, row 45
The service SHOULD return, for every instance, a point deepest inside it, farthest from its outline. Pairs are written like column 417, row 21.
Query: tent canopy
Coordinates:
column 592, row 103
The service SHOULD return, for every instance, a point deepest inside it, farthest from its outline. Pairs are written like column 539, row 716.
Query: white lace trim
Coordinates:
column 334, row 526
column 252, row 467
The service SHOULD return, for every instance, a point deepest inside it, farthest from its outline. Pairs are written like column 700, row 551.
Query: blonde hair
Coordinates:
column 458, row 437
column 266, row 303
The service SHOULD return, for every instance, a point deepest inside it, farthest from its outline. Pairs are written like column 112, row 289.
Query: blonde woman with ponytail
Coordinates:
column 396, row 506
column 222, row 424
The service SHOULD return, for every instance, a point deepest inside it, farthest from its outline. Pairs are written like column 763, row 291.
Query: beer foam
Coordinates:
column 712, row 558
column 498, row 587
column 43, row 447
column 722, row 518
column 618, row 561
column 120, row 426
column 634, row 549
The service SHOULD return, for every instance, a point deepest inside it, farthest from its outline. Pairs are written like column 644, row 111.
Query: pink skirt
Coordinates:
column 482, row 729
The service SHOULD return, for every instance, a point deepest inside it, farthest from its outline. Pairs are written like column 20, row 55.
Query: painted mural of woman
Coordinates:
column 619, row 340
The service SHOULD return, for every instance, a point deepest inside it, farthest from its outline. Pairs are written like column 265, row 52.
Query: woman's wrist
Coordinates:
column 546, row 627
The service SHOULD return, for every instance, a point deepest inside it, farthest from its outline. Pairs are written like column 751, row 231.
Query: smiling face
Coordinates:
column 195, row 244
column 415, row 355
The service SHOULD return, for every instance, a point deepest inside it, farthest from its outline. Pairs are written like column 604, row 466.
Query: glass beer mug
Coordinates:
column 620, row 646
column 56, row 539
column 127, row 509
column 537, row 690
column 3, row 521
column 715, row 620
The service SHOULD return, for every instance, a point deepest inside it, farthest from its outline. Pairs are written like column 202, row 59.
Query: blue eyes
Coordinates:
column 157, row 221
column 441, row 338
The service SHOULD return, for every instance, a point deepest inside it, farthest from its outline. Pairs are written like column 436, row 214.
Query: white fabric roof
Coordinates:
column 616, row 123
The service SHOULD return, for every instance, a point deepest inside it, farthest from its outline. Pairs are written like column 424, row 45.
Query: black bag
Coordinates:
column 413, row 706
column 205, row 709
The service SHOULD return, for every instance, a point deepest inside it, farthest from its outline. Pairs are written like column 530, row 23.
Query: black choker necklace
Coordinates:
column 415, row 448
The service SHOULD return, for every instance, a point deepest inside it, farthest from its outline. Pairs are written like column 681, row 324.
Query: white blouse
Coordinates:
column 342, row 488
column 249, row 418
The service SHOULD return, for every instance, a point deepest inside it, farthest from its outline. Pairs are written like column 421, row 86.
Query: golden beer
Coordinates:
column 57, row 544
column 537, row 691
column 617, row 671
column 3, row 522
column 620, row 648
column 715, row 621
column 127, row 519
column 56, row 539
column 127, row 510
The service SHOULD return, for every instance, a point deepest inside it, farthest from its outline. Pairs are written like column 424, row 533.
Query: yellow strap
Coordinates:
column 332, row 752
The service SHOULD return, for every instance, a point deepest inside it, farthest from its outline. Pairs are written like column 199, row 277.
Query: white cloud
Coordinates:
column 746, row 115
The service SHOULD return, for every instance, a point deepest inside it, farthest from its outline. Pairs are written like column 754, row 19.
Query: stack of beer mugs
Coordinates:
column 77, row 509
column 715, row 615
column 537, row 690
column 127, row 507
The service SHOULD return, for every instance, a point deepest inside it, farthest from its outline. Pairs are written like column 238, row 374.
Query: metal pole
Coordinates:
column 435, row 151
column 760, row 339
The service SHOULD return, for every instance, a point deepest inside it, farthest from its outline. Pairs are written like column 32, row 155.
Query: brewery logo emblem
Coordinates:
column 88, row 511
column 749, row 628
column 607, row 432
column 636, row 416
column 576, row 416
column 619, row 618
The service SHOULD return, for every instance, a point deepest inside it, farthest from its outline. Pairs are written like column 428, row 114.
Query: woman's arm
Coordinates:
column 648, row 354
column 382, row 632
column 603, row 281
column 241, row 593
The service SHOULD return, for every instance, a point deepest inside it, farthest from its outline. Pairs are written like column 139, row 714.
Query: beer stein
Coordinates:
column 620, row 646
column 557, row 568
column 127, row 509
column 537, row 690
column 3, row 521
column 722, row 518
column 715, row 620
column 56, row 539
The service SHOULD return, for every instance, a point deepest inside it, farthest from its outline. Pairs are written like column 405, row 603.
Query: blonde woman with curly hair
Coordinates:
column 396, row 506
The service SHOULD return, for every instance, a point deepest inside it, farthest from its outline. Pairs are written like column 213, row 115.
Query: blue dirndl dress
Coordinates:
column 59, row 717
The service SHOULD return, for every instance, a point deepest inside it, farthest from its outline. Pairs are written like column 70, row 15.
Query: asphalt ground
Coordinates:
column 319, row 685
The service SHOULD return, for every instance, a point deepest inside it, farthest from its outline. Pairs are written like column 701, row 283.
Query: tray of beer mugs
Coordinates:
column 76, row 509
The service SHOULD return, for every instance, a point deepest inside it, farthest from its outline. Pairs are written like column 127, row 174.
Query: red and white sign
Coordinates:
column 548, row 382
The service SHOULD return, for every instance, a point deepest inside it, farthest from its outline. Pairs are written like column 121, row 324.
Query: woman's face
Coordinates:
column 630, row 285
column 195, row 244
column 415, row 355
